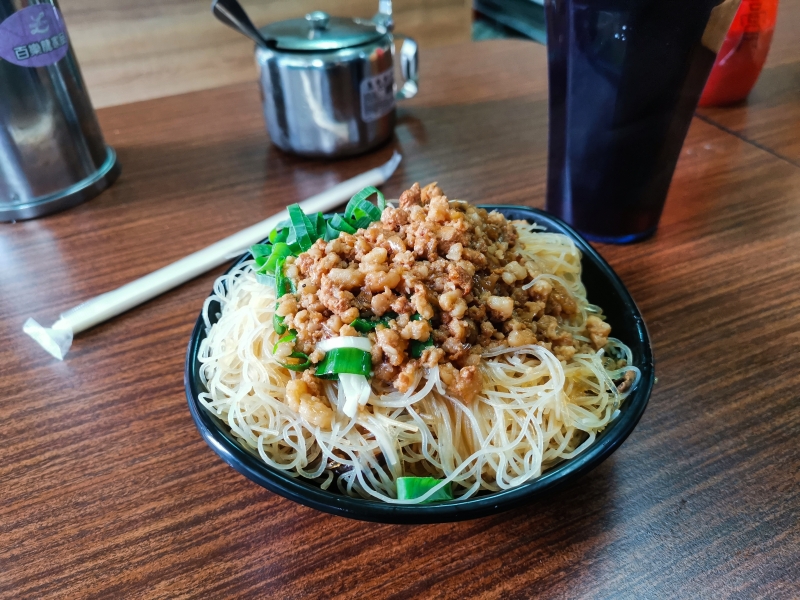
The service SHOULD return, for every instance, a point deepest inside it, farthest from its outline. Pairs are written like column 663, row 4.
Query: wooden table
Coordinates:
column 109, row 492
column 146, row 49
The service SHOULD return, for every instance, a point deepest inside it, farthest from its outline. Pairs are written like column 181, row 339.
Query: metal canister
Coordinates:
column 327, row 83
column 52, row 152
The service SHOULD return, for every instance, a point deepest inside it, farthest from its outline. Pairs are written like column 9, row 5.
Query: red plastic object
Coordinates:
column 742, row 55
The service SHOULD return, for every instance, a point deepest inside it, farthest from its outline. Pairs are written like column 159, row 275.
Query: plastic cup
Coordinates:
column 625, row 77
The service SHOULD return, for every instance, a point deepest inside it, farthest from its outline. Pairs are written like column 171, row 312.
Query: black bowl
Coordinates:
column 604, row 288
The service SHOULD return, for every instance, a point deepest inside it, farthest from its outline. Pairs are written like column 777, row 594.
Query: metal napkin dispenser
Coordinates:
column 52, row 152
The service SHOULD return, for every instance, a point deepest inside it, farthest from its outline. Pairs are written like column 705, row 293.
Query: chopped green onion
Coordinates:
column 272, row 262
column 337, row 222
column 409, row 488
column 301, row 226
column 360, row 212
column 280, row 279
column 298, row 366
column 384, row 320
column 416, row 317
column 363, row 326
column 289, row 337
column 319, row 223
column 345, row 341
column 260, row 250
column 280, row 233
column 298, row 233
column 311, row 225
column 416, row 348
column 261, row 253
column 277, row 324
column 293, row 244
column 363, row 222
column 360, row 202
column 345, row 360
column 331, row 233
column 279, row 251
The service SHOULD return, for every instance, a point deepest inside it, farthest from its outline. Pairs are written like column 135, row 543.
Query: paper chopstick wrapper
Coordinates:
column 718, row 24
column 58, row 338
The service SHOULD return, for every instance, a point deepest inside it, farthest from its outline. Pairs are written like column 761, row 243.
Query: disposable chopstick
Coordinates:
column 58, row 338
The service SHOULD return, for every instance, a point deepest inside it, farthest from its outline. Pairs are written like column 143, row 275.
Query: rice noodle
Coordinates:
column 534, row 410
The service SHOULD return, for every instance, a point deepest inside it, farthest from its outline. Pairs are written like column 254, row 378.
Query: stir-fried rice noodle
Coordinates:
column 534, row 410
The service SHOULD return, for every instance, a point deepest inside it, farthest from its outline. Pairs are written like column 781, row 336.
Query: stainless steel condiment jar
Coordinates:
column 52, row 152
column 328, row 85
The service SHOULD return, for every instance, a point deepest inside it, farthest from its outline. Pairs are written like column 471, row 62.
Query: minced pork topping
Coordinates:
column 430, row 267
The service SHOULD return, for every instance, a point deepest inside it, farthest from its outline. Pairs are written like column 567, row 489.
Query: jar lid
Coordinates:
column 320, row 31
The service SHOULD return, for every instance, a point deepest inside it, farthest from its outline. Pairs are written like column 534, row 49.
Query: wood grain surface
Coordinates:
column 130, row 51
column 770, row 116
column 108, row 491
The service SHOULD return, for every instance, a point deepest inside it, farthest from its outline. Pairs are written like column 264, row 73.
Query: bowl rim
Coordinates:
column 307, row 493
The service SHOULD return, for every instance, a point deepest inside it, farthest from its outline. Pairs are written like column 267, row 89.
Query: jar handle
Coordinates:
column 409, row 67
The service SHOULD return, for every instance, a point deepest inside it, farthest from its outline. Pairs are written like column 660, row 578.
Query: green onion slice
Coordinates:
column 345, row 360
column 363, row 222
column 345, row 341
column 409, row 488
column 337, row 222
column 288, row 338
column 280, row 233
column 298, row 233
column 311, row 225
column 384, row 320
column 319, row 223
column 331, row 233
column 301, row 227
column 293, row 244
column 416, row 348
column 279, row 251
column 261, row 253
column 281, row 281
column 277, row 324
column 360, row 212
column 260, row 250
column 300, row 366
column 363, row 326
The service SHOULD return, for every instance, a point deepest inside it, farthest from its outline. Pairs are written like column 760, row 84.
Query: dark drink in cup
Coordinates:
column 625, row 77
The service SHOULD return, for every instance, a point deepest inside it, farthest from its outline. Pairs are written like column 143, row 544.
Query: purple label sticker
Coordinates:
column 34, row 36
